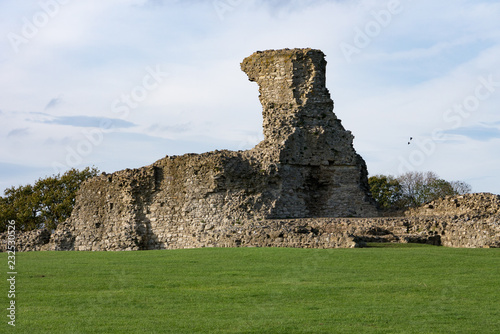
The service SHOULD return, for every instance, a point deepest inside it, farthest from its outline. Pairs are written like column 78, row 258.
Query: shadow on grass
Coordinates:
column 396, row 245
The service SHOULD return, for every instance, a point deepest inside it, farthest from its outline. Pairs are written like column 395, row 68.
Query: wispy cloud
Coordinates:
column 480, row 133
column 177, row 128
column 89, row 122
column 53, row 103
column 18, row 132
column 433, row 50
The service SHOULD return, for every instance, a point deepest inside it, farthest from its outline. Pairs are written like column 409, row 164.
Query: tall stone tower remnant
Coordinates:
column 306, row 166
column 321, row 173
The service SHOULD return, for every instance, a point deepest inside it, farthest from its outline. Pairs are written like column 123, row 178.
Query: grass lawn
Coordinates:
column 257, row 290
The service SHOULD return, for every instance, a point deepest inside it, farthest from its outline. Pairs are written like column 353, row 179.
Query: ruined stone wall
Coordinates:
column 35, row 240
column 471, row 221
column 467, row 206
column 306, row 166
column 321, row 173
column 288, row 191
column 449, row 231
column 453, row 231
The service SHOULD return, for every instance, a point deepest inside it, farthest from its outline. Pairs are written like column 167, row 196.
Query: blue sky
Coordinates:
column 121, row 83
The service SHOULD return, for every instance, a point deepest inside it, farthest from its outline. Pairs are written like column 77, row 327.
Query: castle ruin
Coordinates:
column 296, row 188
column 306, row 166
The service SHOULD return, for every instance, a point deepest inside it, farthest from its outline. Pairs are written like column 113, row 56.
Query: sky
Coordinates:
column 119, row 84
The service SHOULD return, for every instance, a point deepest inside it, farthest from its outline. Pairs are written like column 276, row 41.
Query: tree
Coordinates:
column 419, row 188
column 412, row 184
column 413, row 189
column 386, row 190
column 460, row 187
column 46, row 203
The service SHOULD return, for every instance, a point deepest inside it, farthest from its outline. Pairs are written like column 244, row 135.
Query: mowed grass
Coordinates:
column 258, row 290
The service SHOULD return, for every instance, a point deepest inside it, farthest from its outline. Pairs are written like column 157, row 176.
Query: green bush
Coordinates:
column 46, row 203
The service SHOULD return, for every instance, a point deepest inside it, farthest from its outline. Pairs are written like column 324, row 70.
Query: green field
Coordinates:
column 257, row 290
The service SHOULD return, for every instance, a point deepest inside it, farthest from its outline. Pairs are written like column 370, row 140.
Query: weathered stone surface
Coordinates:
column 320, row 173
column 288, row 191
column 28, row 241
column 306, row 166
column 469, row 205
column 445, row 230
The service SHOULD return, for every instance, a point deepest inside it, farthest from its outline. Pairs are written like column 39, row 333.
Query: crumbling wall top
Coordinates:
column 293, row 76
